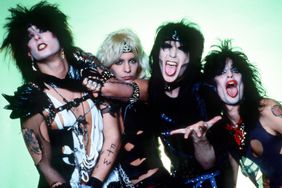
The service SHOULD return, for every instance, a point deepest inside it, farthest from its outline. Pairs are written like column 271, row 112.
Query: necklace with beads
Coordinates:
column 238, row 132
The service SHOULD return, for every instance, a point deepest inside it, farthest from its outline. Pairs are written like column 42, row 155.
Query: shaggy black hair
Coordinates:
column 43, row 15
column 193, row 42
column 215, row 62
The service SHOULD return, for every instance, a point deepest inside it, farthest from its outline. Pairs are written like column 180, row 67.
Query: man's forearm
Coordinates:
column 124, row 91
column 204, row 153
column 106, row 161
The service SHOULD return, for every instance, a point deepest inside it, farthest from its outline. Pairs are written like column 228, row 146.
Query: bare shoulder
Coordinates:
column 37, row 124
column 32, row 121
column 271, row 107
column 271, row 115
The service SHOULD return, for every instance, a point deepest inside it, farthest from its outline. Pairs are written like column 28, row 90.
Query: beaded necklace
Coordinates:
column 238, row 132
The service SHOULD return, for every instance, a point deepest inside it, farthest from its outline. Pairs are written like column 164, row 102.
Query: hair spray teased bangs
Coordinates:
column 45, row 16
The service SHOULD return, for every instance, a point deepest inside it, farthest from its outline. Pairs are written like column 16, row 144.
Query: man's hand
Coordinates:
column 198, row 130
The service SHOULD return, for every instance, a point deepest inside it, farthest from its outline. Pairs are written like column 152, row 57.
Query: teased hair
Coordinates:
column 43, row 15
column 189, row 35
column 112, row 48
column 215, row 62
column 193, row 42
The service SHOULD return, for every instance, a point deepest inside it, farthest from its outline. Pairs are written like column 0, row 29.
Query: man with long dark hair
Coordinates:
column 175, row 94
column 254, row 122
column 72, row 137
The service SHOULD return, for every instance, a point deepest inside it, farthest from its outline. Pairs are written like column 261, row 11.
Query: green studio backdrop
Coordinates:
column 254, row 25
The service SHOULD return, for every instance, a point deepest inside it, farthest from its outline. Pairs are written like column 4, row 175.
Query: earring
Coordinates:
column 62, row 53
column 33, row 64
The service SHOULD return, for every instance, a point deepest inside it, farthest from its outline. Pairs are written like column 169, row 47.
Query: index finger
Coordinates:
column 212, row 121
column 177, row 131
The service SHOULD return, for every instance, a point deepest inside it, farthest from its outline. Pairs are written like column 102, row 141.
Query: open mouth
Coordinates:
column 231, row 88
column 41, row 46
column 170, row 68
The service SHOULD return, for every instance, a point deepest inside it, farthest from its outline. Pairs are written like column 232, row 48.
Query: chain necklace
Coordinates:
column 238, row 133
column 81, row 119
column 79, row 128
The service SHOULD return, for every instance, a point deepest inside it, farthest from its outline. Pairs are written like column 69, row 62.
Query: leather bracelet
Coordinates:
column 94, row 182
column 135, row 94
column 106, row 109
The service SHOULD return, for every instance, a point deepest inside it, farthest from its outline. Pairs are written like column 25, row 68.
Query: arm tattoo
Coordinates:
column 107, row 162
column 110, row 150
column 277, row 110
column 31, row 141
column 108, row 153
